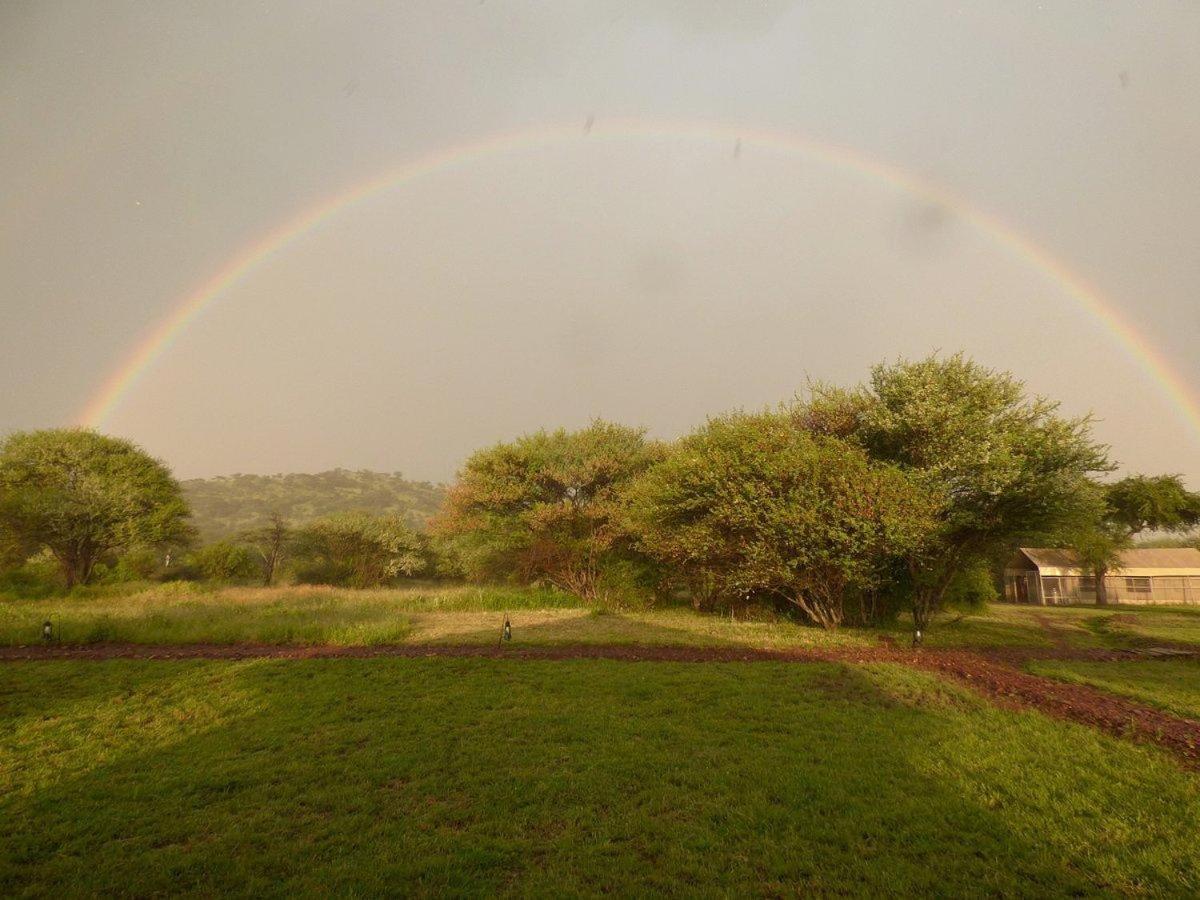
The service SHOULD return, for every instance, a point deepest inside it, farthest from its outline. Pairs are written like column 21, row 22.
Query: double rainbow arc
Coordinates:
column 160, row 339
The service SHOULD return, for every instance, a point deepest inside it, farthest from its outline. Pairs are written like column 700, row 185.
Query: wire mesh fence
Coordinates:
column 1029, row 587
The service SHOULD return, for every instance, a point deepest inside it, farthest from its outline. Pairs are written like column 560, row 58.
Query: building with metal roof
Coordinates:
column 1144, row 575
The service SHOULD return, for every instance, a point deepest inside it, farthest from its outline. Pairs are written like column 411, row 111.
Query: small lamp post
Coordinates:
column 506, row 632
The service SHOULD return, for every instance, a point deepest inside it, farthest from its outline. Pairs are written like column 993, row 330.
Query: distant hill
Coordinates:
column 223, row 506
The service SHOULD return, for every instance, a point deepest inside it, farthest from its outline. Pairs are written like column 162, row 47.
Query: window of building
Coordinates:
column 1138, row 585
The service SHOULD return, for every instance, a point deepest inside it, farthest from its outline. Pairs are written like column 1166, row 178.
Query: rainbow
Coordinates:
column 160, row 339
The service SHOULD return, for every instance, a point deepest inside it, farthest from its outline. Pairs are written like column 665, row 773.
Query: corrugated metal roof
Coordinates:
column 1139, row 558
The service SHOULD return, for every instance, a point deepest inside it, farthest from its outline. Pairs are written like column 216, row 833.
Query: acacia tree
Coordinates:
column 84, row 496
column 224, row 561
column 358, row 550
column 1131, row 506
column 755, row 505
column 270, row 544
column 547, row 507
column 1006, row 468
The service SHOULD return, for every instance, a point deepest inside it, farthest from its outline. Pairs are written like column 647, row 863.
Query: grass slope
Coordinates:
column 1173, row 685
column 474, row 777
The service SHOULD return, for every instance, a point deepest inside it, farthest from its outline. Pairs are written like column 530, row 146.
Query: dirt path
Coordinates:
column 1120, row 716
column 1051, row 631
column 995, row 674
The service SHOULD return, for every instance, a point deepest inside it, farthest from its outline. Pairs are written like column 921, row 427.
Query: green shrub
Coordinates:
column 35, row 579
column 225, row 561
column 630, row 583
column 358, row 550
column 972, row 589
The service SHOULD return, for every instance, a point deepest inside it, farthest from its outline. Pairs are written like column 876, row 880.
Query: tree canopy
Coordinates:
column 1007, row 468
column 230, row 505
column 83, row 496
column 547, row 506
column 357, row 550
column 1152, row 503
column 1126, row 508
column 755, row 505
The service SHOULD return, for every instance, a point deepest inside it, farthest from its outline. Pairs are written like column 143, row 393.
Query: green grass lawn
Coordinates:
column 179, row 612
column 1174, row 624
column 1112, row 627
column 1173, row 684
column 186, row 613
column 479, row 777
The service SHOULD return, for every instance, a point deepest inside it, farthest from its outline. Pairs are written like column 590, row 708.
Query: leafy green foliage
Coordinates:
column 84, row 497
column 972, row 589
column 270, row 544
column 1128, row 507
column 230, row 505
column 755, row 505
column 1159, row 503
column 358, row 550
column 1007, row 468
column 548, row 507
column 224, row 561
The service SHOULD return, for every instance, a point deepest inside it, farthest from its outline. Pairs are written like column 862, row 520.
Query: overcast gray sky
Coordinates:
column 651, row 279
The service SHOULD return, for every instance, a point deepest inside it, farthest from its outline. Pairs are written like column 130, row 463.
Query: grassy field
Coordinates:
column 1113, row 627
column 1178, row 624
column 187, row 613
column 434, row 613
column 472, row 777
column 1173, row 685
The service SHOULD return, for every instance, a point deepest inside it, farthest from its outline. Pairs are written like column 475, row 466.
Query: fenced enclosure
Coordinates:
column 1052, row 590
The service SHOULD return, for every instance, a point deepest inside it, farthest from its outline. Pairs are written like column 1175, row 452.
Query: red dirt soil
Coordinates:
column 995, row 674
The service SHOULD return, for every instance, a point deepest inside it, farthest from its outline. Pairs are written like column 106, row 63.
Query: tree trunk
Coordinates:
column 77, row 569
column 922, row 609
column 270, row 561
column 828, row 616
column 1101, row 586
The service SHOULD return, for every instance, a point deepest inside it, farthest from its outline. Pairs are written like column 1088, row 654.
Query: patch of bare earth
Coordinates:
column 1116, row 715
column 995, row 674
column 1051, row 631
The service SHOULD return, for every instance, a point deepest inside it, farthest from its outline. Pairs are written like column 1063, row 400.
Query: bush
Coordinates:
column 972, row 589
column 755, row 508
column 225, row 561
column 136, row 565
column 359, row 550
column 632, row 583
column 547, row 509
column 35, row 579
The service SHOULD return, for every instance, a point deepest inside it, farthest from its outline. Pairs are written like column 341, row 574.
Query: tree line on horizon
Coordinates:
column 226, row 506
column 905, row 493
